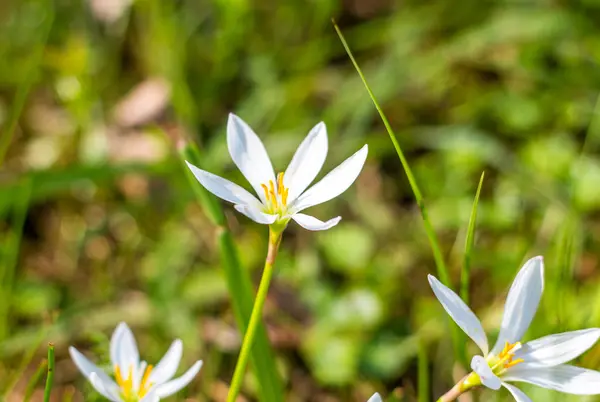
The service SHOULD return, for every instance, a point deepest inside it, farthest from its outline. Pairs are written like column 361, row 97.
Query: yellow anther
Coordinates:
column 512, row 362
column 266, row 190
column 276, row 195
column 273, row 194
column 508, row 347
column 145, row 385
column 280, row 183
column 126, row 384
column 118, row 376
column 284, row 196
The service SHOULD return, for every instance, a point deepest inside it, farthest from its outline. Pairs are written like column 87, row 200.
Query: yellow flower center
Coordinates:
column 276, row 196
column 128, row 392
column 505, row 359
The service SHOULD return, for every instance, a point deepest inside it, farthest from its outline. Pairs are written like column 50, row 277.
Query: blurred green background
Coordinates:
column 99, row 224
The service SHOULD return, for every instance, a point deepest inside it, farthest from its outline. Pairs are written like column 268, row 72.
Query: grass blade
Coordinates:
column 240, row 286
column 50, row 376
column 25, row 361
column 440, row 264
column 10, row 250
column 466, row 268
column 442, row 270
column 30, row 388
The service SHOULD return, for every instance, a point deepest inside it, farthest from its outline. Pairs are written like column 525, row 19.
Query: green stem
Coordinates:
column 255, row 317
column 50, row 376
column 469, row 381
column 454, row 393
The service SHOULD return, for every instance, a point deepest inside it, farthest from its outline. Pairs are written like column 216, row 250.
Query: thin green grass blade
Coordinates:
column 10, row 250
column 466, row 268
column 35, row 378
column 442, row 270
column 25, row 361
column 438, row 257
column 239, row 284
column 50, row 376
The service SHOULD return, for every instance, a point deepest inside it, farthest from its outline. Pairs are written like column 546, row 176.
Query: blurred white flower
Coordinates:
column 375, row 398
column 538, row 362
column 135, row 381
column 281, row 198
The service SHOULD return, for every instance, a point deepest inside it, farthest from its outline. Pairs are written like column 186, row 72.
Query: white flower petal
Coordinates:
column 307, row 162
column 312, row 223
column 255, row 214
column 86, row 366
column 460, row 313
column 563, row 378
column 558, row 348
column 488, row 378
column 139, row 374
column 517, row 393
column 249, row 154
column 223, row 188
column 124, row 349
column 375, row 398
column 521, row 303
column 335, row 183
column 108, row 390
column 171, row 387
column 114, row 343
column 167, row 367
column 150, row 397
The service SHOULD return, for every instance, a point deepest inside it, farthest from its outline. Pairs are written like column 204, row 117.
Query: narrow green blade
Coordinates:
column 442, row 270
column 466, row 268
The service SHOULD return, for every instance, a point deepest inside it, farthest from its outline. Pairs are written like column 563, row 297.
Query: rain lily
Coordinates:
column 281, row 197
column 135, row 380
column 538, row 362
column 375, row 398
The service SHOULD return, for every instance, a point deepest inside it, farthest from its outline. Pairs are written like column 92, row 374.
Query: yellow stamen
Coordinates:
column 280, row 183
column 126, row 384
column 272, row 192
column 266, row 190
column 119, row 376
column 285, row 196
column 513, row 363
column 145, row 385
column 505, row 358
column 129, row 382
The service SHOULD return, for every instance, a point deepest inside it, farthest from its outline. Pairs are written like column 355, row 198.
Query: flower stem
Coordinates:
column 50, row 376
column 457, row 390
column 263, row 288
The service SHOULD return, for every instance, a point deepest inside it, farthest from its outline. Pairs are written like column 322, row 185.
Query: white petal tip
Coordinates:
column 122, row 325
column 375, row 398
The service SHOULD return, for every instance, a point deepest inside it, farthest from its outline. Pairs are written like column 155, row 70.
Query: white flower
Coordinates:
column 281, row 198
column 538, row 362
column 375, row 398
column 135, row 380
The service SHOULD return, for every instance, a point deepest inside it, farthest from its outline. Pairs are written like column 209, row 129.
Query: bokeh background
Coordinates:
column 98, row 222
